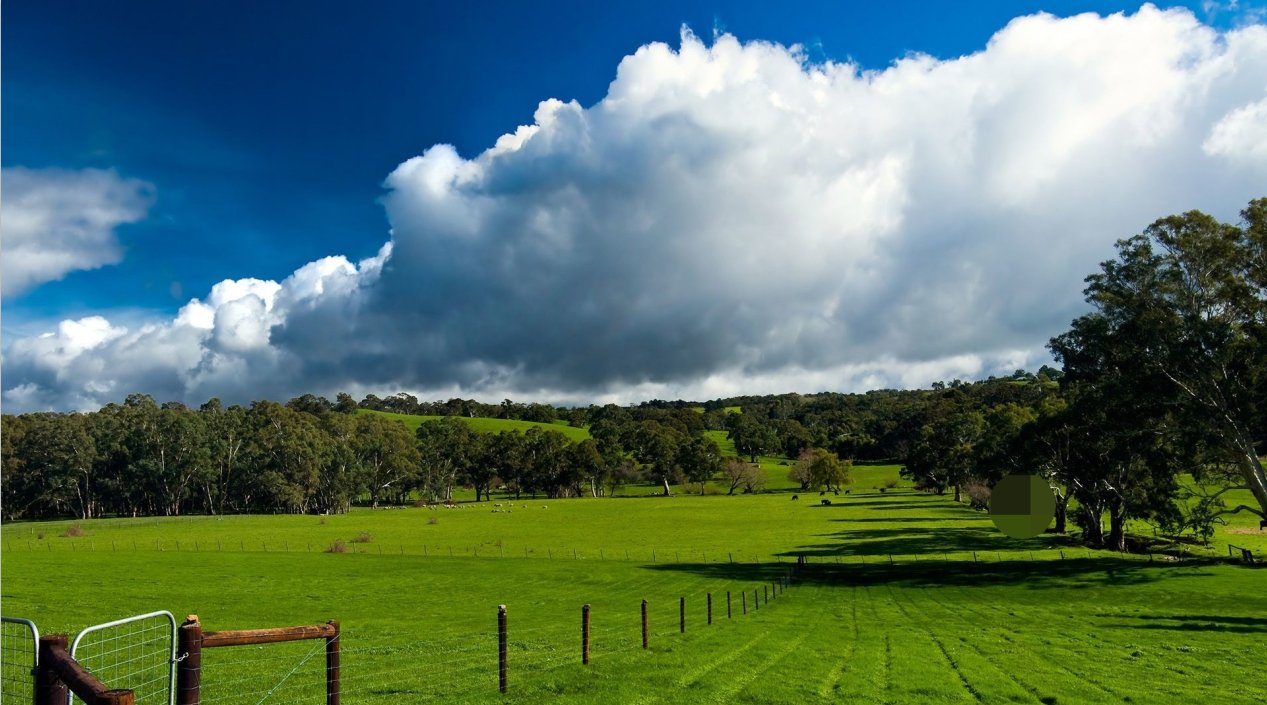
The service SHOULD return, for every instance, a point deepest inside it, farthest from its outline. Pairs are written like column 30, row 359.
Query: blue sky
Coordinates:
column 265, row 131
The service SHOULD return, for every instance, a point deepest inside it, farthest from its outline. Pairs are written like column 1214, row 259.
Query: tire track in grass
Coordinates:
column 727, row 694
column 954, row 665
column 1035, row 656
column 832, row 681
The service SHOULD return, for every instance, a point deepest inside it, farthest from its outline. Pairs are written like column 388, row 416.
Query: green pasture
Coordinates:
column 486, row 425
column 906, row 598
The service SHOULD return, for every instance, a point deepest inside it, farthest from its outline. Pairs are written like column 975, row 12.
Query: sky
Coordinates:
column 589, row 202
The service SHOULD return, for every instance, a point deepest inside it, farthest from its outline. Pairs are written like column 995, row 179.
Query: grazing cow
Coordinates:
column 823, row 493
column 826, row 502
column 1262, row 525
column 847, row 491
column 836, row 492
column 795, row 497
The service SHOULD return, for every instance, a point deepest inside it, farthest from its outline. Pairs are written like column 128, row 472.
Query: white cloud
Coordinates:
column 733, row 219
column 57, row 221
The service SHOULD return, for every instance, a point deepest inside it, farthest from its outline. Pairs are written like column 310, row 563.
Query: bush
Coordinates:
column 889, row 483
column 433, row 520
column 339, row 546
column 978, row 495
column 73, row 531
column 363, row 537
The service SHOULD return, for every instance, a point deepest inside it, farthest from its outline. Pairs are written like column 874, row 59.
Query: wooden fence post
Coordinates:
column 682, row 614
column 501, row 648
column 710, row 608
column 49, row 688
column 585, row 634
column 744, row 595
column 756, row 600
column 333, row 681
column 189, row 670
column 644, row 624
column 727, row 604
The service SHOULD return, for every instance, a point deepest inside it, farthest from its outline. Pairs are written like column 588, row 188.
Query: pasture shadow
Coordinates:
column 845, row 502
column 1080, row 573
column 911, row 520
column 1191, row 622
column 917, row 541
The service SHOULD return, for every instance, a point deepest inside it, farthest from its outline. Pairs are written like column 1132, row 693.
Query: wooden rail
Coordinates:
column 59, row 675
column 193, row 640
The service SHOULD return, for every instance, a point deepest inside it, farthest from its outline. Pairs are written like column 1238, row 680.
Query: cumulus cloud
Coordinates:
column 733, row 218
column 57, row 221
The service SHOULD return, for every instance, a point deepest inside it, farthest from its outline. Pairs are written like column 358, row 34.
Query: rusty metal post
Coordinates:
column 682, row 614
column 710, row 608
column 49, row 688
column 333, row 684
column 644, row 624
column 585, row 634
column 501, row 648
column 189, row 670
column 727, row 604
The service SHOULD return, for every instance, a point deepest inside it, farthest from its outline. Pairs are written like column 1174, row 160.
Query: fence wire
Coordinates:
column 19, row 657
column 136, row 653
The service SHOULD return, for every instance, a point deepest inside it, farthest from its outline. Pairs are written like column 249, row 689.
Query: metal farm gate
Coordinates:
column 138, row 653
column 19, row 657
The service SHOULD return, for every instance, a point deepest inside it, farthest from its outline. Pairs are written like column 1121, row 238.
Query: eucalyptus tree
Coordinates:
column 1184, row 304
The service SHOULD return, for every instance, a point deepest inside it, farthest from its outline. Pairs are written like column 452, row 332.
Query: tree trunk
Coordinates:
column 1117, row 526
column 957, row 493
column 1062, row 512
column 666, row 485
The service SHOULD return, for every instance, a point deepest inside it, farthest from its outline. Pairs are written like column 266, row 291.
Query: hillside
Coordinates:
column 487, row 425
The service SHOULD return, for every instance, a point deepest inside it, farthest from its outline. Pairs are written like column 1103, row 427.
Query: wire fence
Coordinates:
column 137, row 653
column 453, row 665
column 19, row 657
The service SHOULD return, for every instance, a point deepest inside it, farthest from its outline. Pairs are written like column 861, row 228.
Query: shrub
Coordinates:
column 978, row 495
column 433, row 520
column 889, row 483
column 339, row 546
column 73, row 531
column 363, row 537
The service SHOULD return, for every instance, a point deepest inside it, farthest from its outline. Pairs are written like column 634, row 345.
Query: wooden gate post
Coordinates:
column 189, row 670
column 49, row 688
column 501, row 648
column 585, row 634
column 332, row 665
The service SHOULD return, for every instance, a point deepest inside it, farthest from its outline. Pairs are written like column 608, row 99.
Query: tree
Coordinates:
column 656, row 447
column 446, row 447
column 752, row 437
column 817, row 467
column 1185, row 302
column 700, row 460
column 387, row 453
column 226, row 434
column 738, row 474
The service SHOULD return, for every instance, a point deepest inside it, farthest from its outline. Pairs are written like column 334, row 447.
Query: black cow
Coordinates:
column 794, row 498
column 826, row 502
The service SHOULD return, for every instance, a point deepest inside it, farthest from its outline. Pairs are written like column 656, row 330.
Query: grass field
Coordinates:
column 486, row 425
column 907, row 598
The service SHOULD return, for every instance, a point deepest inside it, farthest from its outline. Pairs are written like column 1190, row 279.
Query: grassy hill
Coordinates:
column 907, row 598
column 487, row 425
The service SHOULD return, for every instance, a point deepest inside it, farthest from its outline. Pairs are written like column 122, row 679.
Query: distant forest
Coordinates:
column 1159, row 412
